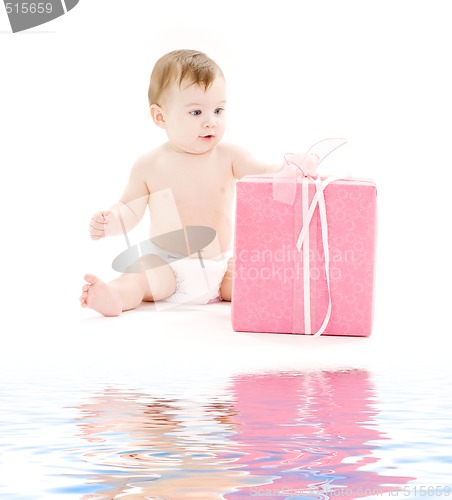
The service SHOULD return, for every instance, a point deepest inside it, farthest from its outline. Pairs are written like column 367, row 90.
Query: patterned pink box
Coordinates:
column 278, row 289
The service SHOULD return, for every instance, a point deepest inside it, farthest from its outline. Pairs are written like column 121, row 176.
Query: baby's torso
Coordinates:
column 192, row 190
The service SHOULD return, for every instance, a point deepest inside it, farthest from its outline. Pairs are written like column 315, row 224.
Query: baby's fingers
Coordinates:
column 98, row 224
column 101, row 217
column 97, row 230
column 97, row 235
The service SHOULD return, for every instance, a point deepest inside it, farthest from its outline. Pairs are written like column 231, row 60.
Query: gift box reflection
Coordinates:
column 311, row 432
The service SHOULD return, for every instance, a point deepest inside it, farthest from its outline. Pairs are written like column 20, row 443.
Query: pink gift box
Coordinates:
column 278, row 289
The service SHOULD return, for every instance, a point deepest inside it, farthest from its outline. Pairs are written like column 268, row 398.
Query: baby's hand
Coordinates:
column 100, row 223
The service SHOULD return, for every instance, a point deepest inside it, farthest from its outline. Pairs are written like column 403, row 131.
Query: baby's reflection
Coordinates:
column 158, row 448
column 307, row 434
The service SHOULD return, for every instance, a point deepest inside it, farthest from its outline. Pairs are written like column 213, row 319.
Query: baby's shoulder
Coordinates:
column 147, row 161
column 149, row 157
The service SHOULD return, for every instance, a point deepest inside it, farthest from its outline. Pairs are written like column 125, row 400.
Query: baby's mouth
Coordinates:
column 208, row 136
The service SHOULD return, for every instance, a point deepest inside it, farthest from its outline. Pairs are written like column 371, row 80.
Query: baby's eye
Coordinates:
column 218, row 111
column 196, row 112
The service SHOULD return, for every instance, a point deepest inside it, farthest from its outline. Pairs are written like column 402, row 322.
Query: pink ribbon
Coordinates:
column 303, row 168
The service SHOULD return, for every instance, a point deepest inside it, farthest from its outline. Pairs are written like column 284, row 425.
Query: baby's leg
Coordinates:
column 226, row 284
column 130, row 289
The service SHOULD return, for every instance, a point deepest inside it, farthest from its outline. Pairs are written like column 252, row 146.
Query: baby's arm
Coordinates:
column 128, row 211
column 243, row 164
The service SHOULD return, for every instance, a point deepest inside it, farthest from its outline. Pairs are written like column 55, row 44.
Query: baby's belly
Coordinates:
column 211, row 216
column 211, row 237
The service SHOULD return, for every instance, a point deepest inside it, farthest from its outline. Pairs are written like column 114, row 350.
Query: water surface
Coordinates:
column 276, row 434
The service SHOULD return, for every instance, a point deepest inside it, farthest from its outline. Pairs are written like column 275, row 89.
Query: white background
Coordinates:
column 74, row 117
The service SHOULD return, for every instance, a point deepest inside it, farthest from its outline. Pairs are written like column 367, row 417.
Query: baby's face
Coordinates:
column 194, row 117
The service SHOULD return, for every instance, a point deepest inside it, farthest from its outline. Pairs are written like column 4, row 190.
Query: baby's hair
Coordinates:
column 191, row 66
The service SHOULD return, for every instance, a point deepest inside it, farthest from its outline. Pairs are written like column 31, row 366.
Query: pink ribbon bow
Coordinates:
column 301, row 165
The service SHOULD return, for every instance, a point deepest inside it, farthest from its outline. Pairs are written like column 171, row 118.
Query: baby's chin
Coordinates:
column 201, row 145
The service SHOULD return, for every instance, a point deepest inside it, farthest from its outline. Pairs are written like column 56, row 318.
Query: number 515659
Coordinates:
column 28, row 8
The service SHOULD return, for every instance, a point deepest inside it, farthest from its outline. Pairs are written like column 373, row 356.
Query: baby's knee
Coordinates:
column 160, row 283
column 226, row 284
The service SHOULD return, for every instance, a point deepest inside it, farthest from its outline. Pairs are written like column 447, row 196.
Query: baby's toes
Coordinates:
column 83, row 298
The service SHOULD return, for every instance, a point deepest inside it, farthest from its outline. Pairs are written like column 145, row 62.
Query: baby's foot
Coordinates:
column 101, row 297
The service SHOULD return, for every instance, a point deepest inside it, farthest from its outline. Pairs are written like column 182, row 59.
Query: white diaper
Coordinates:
column 198, row 281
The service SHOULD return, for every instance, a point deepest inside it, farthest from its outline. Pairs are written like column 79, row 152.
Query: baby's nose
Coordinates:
column 210, row 121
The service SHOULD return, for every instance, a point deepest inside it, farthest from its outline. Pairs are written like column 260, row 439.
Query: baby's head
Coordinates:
column 186, row 67
column 187, row 96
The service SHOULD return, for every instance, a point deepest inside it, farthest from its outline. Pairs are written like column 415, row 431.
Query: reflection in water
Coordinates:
column 281, row 435
column 161, row 448
column 312, row 432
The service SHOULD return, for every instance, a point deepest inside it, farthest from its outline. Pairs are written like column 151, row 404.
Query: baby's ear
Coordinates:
column 157, row 115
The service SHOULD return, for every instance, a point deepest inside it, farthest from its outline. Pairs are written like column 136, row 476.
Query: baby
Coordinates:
column 188, row 186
